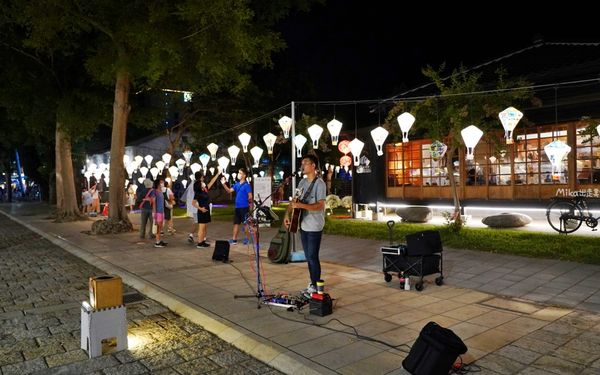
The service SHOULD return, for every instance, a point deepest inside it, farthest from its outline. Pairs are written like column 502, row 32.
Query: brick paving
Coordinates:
column 41, row 288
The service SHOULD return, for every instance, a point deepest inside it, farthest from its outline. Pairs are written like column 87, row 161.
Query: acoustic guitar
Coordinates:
column 295, row 214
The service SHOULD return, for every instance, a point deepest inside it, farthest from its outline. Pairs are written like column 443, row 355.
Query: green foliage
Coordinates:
column 453, row 223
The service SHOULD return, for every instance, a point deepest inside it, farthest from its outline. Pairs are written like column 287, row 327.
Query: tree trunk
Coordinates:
column 121, row 109
column 452, row 180
column 66, row 200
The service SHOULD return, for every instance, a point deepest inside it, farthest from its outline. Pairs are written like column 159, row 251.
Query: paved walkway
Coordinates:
column 504, row 335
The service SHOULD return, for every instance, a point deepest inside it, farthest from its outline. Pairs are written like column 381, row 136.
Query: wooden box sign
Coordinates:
column 106, row 291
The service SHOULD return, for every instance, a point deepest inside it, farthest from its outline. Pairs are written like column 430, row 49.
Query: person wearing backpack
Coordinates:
column 144, row 203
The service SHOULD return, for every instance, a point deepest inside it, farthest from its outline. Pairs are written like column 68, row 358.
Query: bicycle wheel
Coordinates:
column 564, row 217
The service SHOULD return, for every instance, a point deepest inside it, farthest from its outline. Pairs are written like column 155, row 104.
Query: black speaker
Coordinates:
column 434, row 352
column 221, row 251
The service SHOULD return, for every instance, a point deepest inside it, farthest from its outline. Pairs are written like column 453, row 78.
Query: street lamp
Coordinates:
column 471, row 136
column 334, row 127
column 510, row 118
column 244, row 140
column 286, row 124
column 405, row 120
column 315, row 132
column 379, row 134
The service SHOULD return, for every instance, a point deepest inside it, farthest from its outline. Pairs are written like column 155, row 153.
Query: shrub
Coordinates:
column 347, row 201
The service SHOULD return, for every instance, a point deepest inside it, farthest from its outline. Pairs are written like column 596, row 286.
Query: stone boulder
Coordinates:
column 415, row 214
column 507, row 220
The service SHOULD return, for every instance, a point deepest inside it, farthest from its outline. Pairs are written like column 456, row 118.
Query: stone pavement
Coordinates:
column 504, row 335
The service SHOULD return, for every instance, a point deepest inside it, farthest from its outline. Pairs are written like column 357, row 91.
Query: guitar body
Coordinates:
column 295, row 220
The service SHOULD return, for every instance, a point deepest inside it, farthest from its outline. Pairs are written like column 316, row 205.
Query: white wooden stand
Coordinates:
column 108, row 325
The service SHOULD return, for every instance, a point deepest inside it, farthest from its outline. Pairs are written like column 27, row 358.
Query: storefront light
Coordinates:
column 509, row 118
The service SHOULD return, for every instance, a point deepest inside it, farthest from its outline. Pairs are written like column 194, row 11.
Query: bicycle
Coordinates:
column 565, row 215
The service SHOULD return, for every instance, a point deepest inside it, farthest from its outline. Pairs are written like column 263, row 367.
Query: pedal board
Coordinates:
column 287, row 301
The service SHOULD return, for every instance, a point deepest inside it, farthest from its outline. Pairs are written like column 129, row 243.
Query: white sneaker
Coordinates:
column 310, row 289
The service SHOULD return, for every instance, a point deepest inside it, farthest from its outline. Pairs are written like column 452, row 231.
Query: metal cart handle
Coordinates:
column 390, row 225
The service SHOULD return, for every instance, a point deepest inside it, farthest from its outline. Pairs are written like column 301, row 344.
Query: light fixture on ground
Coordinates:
column 245, row 141
column 166, row 157
column 556, row 152
column 379, row 134
column 334, row 127
column 406, row 121
column 315, row 132
column 286, row 124
column 299, row 142
column 148, row 159
column 212, row 148
column 256, row 154
column 510, row 118
column 270, row 139
column 204, row 159
column 471, row 136
column 233, row 152
column 223, row 163
column 187, row 156
column 160, row 165
column 356, row 146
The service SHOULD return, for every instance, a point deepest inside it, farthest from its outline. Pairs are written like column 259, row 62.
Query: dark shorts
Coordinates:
column 240, row 215
column 203, row 217
column 168, row 213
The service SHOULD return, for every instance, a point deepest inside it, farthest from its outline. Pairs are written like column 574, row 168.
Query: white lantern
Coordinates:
column 379, row 134
column 598, row 129
column 223, row 163
column 315, row 132
column 204, row 159
column 212, row 170
column 138, row 161
column 233, row 151
column 134, row 187
column 212, row 148
column 556, row 151
column 234, row 175
column 154, row 172
column 92, row 167
column 141, row 179
column 334, row 127
column 256, row 154
column 270, row 139
column 184, row 183
column 281, row 173
column 286, row 124
column 166, row 157
column 356, row 147
column 144, row 171
column 262, row 173
column 130, row 168
column 509, row 118
column 126, row 159
column 168, row 180
column 174, row 172
column 187, row 156
column 471, row 136
column 160, row 165
column 405, row 120
column 244, row 140
column 180, row 163
column 148, row 159
column 299, row 142
column 195, row 167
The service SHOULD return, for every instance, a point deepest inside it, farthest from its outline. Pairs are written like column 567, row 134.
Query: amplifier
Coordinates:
column 321, row 307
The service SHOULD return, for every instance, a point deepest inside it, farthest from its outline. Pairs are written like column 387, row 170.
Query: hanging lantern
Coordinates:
column 244, row 140
column 154, row 172
column 184, row 183
column 262, row 173
column 160, row 165
column 130, row 168
column 143, row 171
column 233, row 152
column 126, row 159
column 212, row 170
column 598, row 129
column 270, row 139
column 286, row 124
column 148, row 159
column 187, row 155
column 174, row 172
column 437, row 150
column 256, row 154
column 223, row 163
column 180, row 163
column 356, row 147
column 345, row 161
column 138, row 161
column 509, row 118
column 141, row 179
column 315, row 132
column 406, row 121
column 344, row 147
column 166, row 157
column 334, row 127
column 556, row 152
column 195, row 167
column 471, row 136
column 281, row 173
column 379, row 134
column 212, row 148
column 234, row 175
column 204, row 159
column 299, row 142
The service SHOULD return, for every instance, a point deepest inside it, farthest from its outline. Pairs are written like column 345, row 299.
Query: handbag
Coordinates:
column 167, row 203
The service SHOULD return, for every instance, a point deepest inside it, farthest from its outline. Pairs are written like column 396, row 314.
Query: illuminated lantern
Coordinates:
column 204, row 159
column 556, row 151
column 187, row 155
column 148, row 159
column 405, row 120
column 286, row 124
column 244, row 140
column 344, row 147
column 509, row 118
column 256, row 154
column 180, row 163
column 269, row 139
column 379, row 134
column 356, row 147
column 223, row 163
column 195, row 167
column 212, row 148
column 160, row 165
column 166, row 157
column 334, row 127
column 299, row 142
column 345, row 161
column 315, row 132
column 437, row 150
column 233, row 152
column 471, row 136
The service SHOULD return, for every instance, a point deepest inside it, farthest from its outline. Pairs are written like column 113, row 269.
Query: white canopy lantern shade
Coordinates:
column 234, row 175
column 356, row 146
column 223, row 163
column 154, row 172
column 180, row 163
column 144, row 171
column 262, row 173
column 334, row 127
column 166, row 157
column 379, row 134
column 299, row 141
column 130, row 168
column 92, row 167
column 281, row 173
column 244, row 140
column 103, row 167
column 141, row 179
column 138, row 161
column 187, row 156
column 126, row 159
column 88, row 174
column 149, row 159
column 174, row 172
column 184, row 183
column 204, row 159
column 233, row 152
column 406, row 121
column 195, row 167
column 286, row 124
column 315, row 132
column 270, row 139
column 556, row 152
column 598, row 129
column 212, row 148
column 160, row 165
column 510, row 118
column 256, row 154
column 212, row 170
column 471, row 136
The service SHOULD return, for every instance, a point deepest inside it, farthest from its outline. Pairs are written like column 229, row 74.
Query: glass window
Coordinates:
column 588, row 158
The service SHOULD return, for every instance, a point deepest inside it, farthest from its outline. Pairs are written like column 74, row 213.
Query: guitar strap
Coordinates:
column 306, row 194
